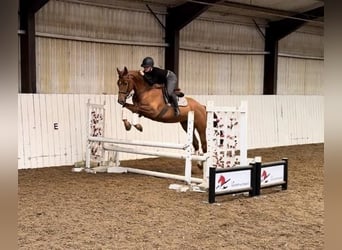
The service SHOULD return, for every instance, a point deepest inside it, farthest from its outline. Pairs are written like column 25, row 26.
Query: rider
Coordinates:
column 161, row 76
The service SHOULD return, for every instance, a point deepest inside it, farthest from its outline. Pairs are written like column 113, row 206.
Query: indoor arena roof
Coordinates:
column 268, row 10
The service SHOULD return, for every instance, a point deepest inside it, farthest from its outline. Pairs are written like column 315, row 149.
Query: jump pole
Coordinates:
column 187, row 156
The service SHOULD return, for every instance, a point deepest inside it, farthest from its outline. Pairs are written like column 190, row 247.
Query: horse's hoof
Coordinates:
column 138, row 127
column 127, row 125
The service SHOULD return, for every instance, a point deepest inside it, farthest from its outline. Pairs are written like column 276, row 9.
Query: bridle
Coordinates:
column 125, row 92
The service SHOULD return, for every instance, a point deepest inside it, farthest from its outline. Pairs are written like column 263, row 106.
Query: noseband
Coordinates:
column 126, row 90
column 127, row 93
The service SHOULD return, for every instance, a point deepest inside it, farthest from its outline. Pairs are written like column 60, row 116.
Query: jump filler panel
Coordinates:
column 251, row 178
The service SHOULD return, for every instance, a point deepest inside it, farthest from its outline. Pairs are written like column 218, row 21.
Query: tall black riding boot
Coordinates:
column 175, row 104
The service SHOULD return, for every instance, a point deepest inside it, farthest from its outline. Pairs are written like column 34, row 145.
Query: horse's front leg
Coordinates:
column 127, row 124
column 133, row 108
column 135, row 116
column 135, row 122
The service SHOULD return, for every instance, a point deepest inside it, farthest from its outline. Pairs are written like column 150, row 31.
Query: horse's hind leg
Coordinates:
column 202, row 134
column 195, row 143
column 194, row 138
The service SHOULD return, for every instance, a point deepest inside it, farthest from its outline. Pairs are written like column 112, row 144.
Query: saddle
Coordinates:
column 181, row 97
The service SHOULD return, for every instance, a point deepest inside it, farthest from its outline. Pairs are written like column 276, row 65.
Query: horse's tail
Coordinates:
column 215, row 117
column 215, row 120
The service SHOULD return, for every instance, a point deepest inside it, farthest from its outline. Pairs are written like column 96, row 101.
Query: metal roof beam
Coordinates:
column 286, row 26
column 183, row 14
column 176, row 19
column 27, row 10
column 37, row 4
column 276, row 31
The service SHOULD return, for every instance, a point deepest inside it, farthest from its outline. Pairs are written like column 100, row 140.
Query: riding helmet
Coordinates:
column 148, row 61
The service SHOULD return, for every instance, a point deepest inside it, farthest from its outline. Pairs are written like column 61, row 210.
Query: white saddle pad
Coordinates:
column 182, row 101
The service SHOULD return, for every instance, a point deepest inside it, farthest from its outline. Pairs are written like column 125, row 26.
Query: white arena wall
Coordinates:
column 52, row 127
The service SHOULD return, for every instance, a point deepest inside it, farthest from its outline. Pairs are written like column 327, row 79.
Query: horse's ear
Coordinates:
column 125, row 70
column 119, row 72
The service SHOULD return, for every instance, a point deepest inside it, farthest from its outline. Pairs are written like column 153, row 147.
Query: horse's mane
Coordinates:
column 138, row 77
column 133, row 72
column 136, row 74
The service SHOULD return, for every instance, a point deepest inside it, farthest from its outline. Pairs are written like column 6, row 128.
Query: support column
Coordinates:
column 178, row 17
column 270, row 64
column 172, row 51
column 27, row 49
column 27, row 10
column 276, row 31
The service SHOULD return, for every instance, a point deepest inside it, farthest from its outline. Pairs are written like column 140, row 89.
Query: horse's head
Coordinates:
column 125, row 84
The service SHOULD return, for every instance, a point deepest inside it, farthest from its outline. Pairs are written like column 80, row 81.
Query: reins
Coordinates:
column 137, row 91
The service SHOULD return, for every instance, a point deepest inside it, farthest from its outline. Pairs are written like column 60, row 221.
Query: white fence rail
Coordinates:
column 52, row 127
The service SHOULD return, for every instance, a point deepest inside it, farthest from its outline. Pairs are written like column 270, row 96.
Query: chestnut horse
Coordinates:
column 148, row 101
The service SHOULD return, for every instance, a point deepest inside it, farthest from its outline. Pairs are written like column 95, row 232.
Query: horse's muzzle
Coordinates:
column 122, row 102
